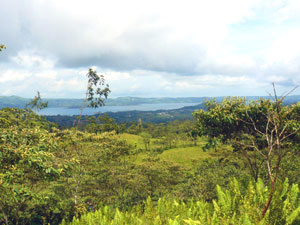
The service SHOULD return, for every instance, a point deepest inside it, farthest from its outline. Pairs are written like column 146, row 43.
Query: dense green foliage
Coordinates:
column 232, row 206
column 263, row 131
column 48, row 174
column 28, row 158
column 144, row 173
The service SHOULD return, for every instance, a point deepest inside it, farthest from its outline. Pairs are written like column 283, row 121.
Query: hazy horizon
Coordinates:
column 224, row 96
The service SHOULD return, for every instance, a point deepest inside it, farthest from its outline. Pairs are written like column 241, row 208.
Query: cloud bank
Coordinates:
column 150, row 48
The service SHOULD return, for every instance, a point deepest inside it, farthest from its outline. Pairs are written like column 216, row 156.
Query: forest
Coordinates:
column 149, row 112
column 235, row 162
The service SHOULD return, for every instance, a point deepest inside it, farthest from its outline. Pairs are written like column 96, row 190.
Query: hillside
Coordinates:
column 179, row 172
column 19, row 102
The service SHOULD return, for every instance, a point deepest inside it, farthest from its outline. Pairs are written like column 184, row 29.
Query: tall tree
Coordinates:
column 36, row 103
column 96, row 90
column 263, row 131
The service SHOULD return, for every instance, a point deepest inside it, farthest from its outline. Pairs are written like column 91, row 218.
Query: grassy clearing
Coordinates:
column 185, row 156
column 138, row 141
column 181, row 155
column 134, row 140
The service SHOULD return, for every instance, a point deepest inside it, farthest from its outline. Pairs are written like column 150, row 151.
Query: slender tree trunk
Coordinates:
column 81, row 111
column 273, row 180
column 267, row 205
column 82, row 107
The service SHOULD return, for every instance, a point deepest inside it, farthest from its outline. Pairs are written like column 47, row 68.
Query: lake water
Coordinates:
column 90, row 111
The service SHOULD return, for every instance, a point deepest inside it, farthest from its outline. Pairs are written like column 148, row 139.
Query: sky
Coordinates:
column 164, row 48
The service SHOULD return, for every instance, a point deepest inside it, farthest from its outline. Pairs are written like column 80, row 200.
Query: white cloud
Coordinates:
column 117, row 76
column 285, row 49
column 289, row 10
column 150, row 48
column 47, row 75
column 30, row 60
column 11, row 75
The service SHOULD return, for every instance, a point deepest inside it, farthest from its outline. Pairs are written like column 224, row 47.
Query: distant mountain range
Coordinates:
column 19, row 102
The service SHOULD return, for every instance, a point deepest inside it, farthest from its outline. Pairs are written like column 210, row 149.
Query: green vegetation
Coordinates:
column 232, row 206
column 185, row 155
column 96, row 90
column 146, row 174
column 237, row 163
column 263, row 131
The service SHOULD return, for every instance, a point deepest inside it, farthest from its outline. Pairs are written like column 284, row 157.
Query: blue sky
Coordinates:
column 150, row 48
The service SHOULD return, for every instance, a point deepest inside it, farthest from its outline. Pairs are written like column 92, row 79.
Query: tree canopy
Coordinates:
column 264, row 131
column 36, row 103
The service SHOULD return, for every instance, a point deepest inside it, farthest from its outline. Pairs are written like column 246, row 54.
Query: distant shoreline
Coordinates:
column 19, row 102
column 64, row 111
